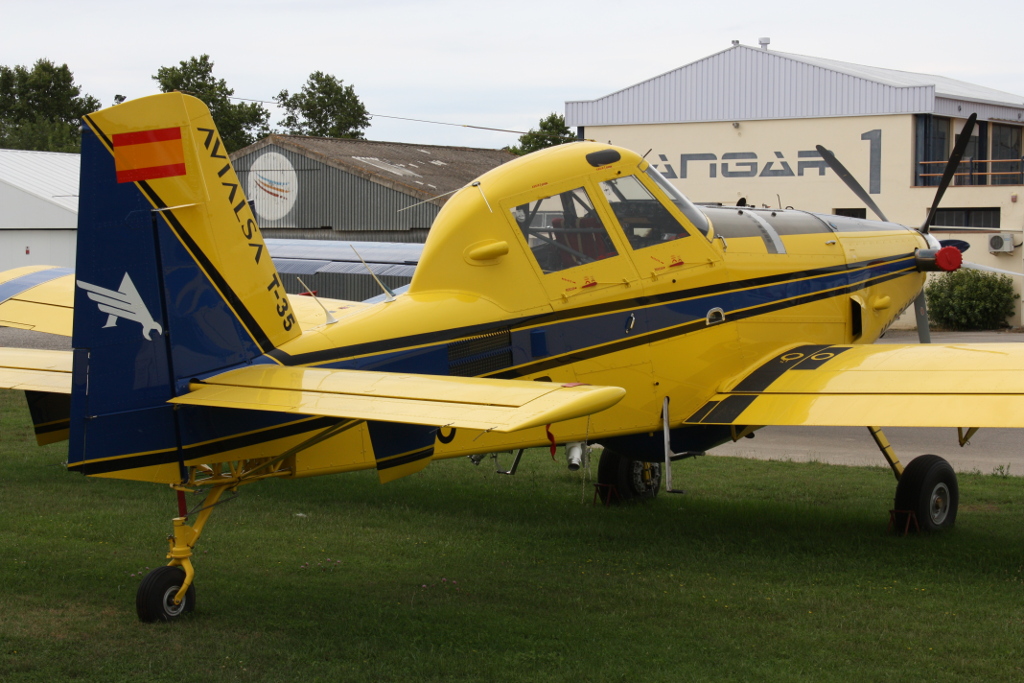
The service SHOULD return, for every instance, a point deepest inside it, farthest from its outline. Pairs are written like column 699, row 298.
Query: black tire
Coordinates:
column 928, row 487
column 154, row 600
column 628, row 476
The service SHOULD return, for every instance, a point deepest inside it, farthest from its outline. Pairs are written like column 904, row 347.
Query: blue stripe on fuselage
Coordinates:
column 573, row 334
column 562, row 337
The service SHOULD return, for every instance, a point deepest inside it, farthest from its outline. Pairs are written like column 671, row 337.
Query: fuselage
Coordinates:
column 579, row 265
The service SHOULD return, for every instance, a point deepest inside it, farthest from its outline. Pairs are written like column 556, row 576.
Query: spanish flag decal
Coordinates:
column 148, row 154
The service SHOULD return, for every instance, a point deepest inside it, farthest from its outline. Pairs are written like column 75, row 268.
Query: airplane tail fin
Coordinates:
column 173, row 277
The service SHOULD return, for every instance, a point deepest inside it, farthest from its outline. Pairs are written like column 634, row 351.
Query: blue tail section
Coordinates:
column 154, row 309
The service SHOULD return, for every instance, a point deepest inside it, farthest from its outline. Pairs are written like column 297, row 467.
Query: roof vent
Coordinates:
column 735, row 43
column 764, row 42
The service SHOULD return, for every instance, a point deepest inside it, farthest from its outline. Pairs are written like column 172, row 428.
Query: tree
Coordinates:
column 240, row 123
column 325, row 107
column 552, row 131
column 40, row 107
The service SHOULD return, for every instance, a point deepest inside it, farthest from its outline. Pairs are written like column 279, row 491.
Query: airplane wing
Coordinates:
column 35, row 370
column 918, row 385
column 464, row 402
column 39, row 298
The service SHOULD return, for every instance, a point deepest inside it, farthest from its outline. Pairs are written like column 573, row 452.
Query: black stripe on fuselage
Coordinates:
column 53, row 427
column 700, row 324
column 396, row 460
column 211, row 448
column 448, row 335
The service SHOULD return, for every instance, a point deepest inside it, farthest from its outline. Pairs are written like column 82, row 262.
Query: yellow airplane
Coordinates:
column 567, row 297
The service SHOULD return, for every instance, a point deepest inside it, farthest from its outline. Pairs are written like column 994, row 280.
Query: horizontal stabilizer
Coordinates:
column 464, row 402
column 35, row 370
column 892, row 385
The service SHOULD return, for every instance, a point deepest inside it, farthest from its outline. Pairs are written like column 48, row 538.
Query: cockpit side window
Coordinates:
column 685, row 206
column 643, row 218
column 564, row 230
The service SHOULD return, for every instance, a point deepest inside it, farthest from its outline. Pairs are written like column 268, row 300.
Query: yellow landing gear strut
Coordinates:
column 167, row 592
column 887, row 452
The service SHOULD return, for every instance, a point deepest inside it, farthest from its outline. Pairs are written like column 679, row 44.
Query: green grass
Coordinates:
column 763, row 571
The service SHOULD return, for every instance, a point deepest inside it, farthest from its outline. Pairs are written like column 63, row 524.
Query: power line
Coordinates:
column 403, row 118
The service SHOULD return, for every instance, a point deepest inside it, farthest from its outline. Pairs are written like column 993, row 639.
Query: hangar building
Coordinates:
column 744, row 123
column 332, row 188
column 38, row 208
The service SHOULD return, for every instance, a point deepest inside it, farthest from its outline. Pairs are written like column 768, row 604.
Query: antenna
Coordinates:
column 425, row 201
column 476, row 184
column 388, row 292
column 330, row 318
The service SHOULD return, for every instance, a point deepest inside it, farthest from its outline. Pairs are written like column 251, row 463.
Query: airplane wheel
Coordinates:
column 154, row 600
column 628, row 476
column 928, row 487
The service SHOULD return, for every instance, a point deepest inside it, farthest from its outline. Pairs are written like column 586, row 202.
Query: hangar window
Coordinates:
column 643, row 218
column 1006, row 155
column 967, row 217
column 931, row 149
column 564, row 230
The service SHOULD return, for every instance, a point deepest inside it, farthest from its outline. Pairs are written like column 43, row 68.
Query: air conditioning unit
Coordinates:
column 1001, row 243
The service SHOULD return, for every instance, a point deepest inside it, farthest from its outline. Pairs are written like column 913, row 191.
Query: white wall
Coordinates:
column 45, row 248
column 20, row 209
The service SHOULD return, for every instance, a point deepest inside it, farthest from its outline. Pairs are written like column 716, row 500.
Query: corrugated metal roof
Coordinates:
column 746, row 83
column 944, row 87
column 424, row 171
column 51, row 176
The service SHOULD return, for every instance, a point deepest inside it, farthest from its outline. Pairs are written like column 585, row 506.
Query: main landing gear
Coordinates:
column 631, row 479
column 926, row 489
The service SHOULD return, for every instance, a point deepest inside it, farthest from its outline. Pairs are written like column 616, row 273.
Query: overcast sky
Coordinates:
column 501, row 65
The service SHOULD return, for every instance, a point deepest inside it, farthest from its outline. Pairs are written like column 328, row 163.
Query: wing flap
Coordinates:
column 35, row 370
column 465, row 402
column 891, row 385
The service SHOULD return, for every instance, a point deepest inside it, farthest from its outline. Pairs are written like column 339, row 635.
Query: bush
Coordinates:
column 970, row 300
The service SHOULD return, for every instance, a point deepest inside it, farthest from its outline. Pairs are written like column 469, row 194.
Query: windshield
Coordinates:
column 644, row 219
column 688, row 208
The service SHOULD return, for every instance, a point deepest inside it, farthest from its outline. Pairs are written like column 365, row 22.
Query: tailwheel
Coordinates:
column 928, row 488
column 154, row 600
column 632, row 479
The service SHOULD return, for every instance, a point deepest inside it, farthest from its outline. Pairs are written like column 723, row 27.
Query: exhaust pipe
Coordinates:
column 574, row 455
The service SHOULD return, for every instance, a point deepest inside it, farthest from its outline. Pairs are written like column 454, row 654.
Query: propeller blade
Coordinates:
column 989, row 269
column 959, row 244
column 850, row 181
column 924, row 334
column 954, row 161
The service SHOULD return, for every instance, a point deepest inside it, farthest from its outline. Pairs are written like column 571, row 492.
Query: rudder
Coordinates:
column 173, row 279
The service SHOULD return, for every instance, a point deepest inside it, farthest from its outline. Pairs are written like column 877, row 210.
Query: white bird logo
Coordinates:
column 124, row 303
